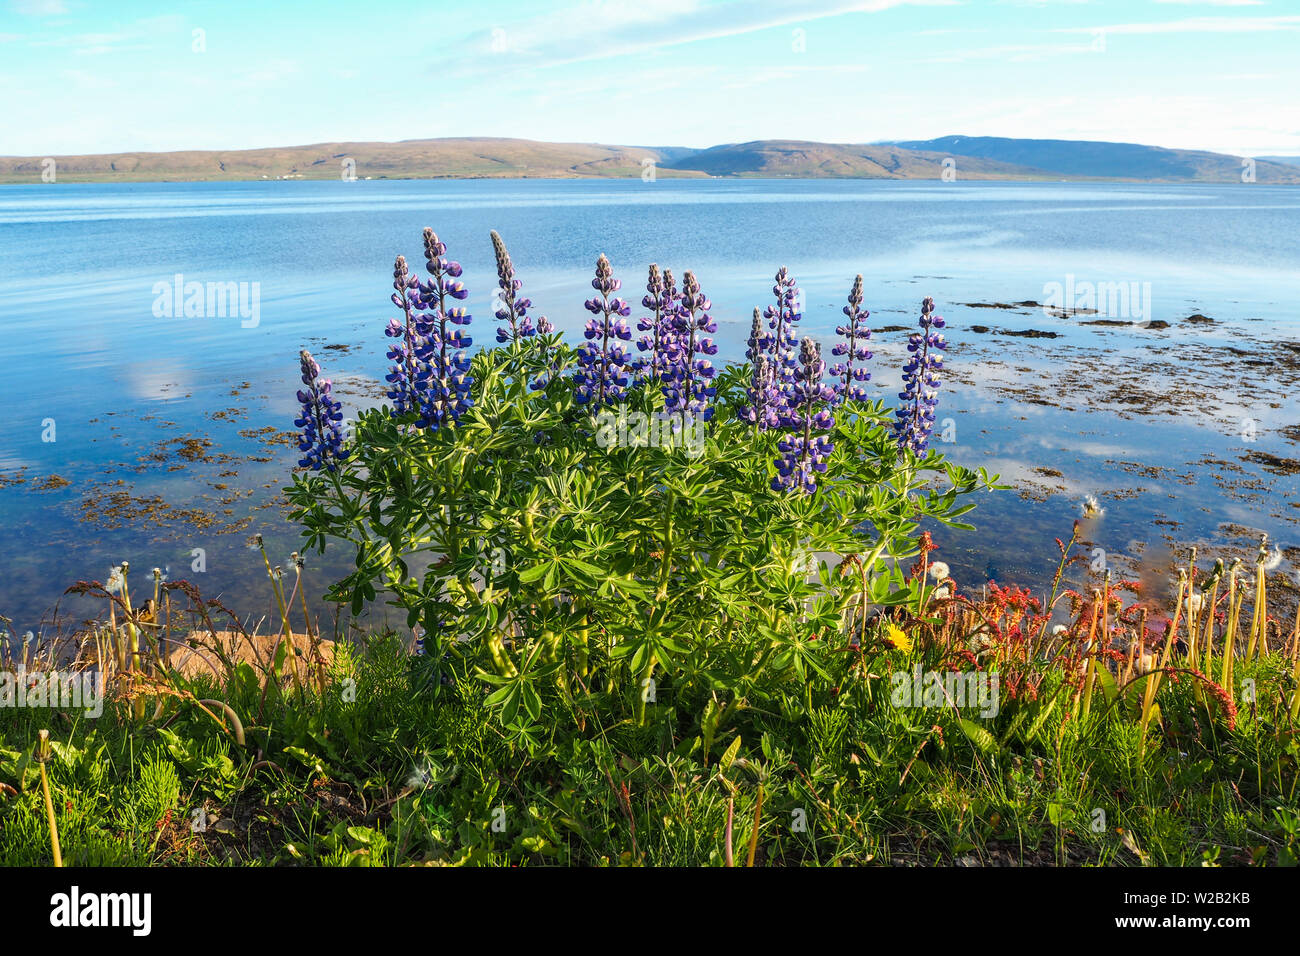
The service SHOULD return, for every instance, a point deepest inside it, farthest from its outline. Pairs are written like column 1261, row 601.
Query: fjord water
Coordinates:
column 127, row 387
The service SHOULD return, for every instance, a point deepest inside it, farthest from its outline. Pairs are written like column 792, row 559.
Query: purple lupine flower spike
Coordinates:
column 660, row 299
column 689, row 384
column 321, row 434
column 512, row 308
column 764, row 393
column 601, row 376
column 669, row 347
column 808, row 410
column 920, row 395
column 445, row 396
column 404, row 377
column 547, row 351
column 782, row 318
column 852, row 372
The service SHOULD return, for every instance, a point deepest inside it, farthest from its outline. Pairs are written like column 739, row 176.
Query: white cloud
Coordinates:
column 1022, row 53
column 38, row 8
column 612, row 28
column 1196, row 25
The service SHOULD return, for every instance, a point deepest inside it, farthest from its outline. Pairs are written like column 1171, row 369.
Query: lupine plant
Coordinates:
column 408, row 372
column 641, row 580
column 320, row 434
column 763, row 396
column 915, row 416
column 807, row 410
column 446, row 394
column 690, row 388
column 603, row 375
column 512, row 309
column 781, row 319
column 659, row 336
column 851, row 372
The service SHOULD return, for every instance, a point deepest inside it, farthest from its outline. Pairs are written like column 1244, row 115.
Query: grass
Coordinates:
column 357, row 762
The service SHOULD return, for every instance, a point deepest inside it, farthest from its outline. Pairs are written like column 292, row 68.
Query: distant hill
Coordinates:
column 978, row 157
column 807, row 160
column 1102, row 160
column 409, row 159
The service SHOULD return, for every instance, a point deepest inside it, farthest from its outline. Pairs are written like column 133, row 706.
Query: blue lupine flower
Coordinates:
column 915, row 417
column 852, row 371
column 511, row 309
column 689, row 384
column 807, row 410
column 781, row 320
column 661, row 300
column 404, row 376
column 601, row 376
column 669, row 346
column 445, row 379
column 321, row 435
column 548, row 351
column 764, row 391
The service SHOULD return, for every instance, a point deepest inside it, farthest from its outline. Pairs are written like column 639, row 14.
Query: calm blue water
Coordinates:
column 84, row 347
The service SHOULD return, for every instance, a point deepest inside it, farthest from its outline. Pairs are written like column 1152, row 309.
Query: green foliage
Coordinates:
column 591, row 581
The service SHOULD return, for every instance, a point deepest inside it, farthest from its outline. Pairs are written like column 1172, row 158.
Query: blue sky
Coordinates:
column 78, row 76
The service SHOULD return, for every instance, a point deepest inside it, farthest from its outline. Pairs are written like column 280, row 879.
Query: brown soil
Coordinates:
column 203, row 652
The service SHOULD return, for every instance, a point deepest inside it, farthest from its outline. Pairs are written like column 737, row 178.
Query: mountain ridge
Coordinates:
column 1101, row 159
column 959, row 157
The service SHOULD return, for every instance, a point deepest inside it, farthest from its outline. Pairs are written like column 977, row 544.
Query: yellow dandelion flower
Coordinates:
column 896, row 638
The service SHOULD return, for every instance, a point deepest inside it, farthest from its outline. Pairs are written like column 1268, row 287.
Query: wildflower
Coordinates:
column 321, row 437
column 661, row 300
column 781, row 320
column 512, row 309
column 1091, row 509
column 404, row 377
column 939, row 571
column 802, row 454
column 672, row 302
column 547, row 351
column 759, row 341
column 446, row 364
column 689, row 383
column 855, row 333
column 764, row 392
column 896, row 639
column 601, row 375
column 915, row 417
